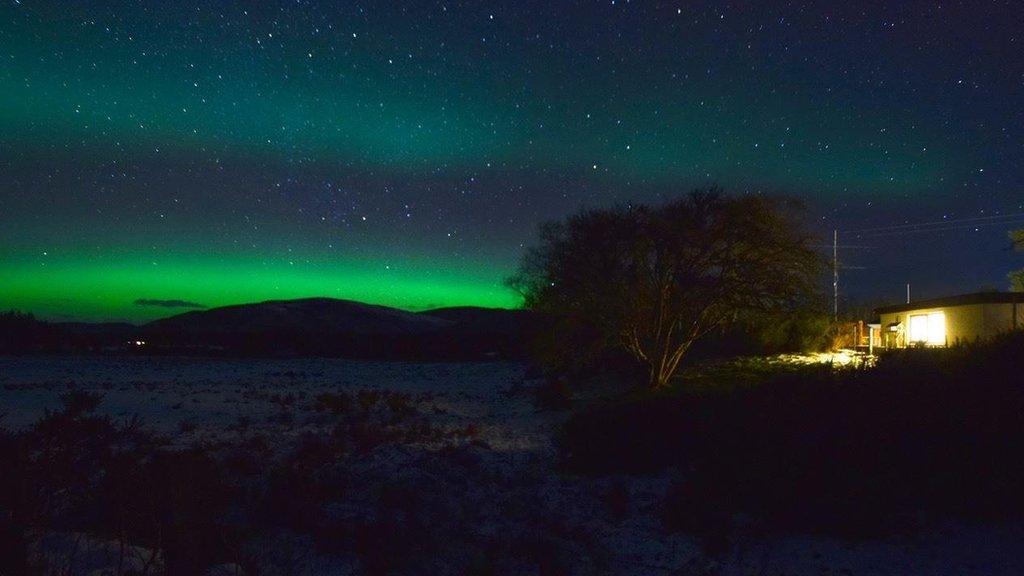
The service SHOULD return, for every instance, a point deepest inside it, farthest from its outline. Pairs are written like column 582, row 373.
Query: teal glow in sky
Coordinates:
column 403, row 153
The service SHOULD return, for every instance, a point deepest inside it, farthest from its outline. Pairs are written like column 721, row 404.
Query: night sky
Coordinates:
column 158, row 155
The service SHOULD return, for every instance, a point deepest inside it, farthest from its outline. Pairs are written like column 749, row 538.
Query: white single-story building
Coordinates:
column 947, row 321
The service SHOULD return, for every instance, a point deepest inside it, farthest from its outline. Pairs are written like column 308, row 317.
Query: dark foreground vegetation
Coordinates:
column 368, row 477
column 924, row 435
column 82, row 492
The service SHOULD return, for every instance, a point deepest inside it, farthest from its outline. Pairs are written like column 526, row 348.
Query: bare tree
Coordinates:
column 654, row 280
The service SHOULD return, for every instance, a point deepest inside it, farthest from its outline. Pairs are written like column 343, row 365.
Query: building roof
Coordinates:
column 961, row 300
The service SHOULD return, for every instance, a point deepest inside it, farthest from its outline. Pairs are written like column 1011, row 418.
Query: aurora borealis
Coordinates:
column 403, row 152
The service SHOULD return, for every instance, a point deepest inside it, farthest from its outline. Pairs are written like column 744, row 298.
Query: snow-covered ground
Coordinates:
column 495, row 479
column 213, row 394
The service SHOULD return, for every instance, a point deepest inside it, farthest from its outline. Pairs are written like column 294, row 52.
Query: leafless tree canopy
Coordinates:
column 653, row 280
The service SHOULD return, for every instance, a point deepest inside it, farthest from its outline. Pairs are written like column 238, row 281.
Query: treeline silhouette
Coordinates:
column 21, row 332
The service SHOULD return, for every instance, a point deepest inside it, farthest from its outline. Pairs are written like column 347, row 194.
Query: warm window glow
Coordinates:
column 928, row 328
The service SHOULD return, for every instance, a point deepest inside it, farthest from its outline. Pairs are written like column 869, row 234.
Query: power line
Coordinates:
column 953, row 228
column 850, row 246
column 944, row 225
column 940, row 223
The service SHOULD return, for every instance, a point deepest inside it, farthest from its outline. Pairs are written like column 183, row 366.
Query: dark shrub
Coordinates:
column 616, row 501
column 400, row 405
column 796, row 331
column 545, row 553
column 634, row 438
column 19, row 505
column 293, row 499
column 77, row 403
column 398, row 535
column 694, row 508
column 939, row 432
column 553, row 394
column 75, row 472
column 367, row 399
column 334, row 403
column 173, row 501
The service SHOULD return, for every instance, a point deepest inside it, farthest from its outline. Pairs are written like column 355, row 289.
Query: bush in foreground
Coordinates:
column 926, row 433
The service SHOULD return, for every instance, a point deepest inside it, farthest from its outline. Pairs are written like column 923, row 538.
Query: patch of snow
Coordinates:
column 495, row 483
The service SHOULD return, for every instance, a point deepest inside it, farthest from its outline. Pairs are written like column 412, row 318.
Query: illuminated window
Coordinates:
column 928, row 328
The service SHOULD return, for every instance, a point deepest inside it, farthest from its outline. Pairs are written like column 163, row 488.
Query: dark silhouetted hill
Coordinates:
column 305, row 327
column 343, row 328
column 313, row 315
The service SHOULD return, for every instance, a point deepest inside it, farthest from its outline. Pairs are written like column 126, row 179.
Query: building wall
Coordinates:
column 964, row 323
column 999, row 317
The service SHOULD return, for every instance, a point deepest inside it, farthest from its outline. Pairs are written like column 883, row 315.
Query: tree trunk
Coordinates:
column 660, row 375
column 664, row 367
column 659, row 381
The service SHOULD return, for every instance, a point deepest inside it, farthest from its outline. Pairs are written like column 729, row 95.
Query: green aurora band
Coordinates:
column 88, row 87
column 104, row 289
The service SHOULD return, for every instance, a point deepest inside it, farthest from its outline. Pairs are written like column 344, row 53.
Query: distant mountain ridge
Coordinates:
column 322, row 315
column 307, row 327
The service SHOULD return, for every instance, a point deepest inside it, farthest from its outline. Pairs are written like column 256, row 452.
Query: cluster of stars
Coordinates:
column 315, row 133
